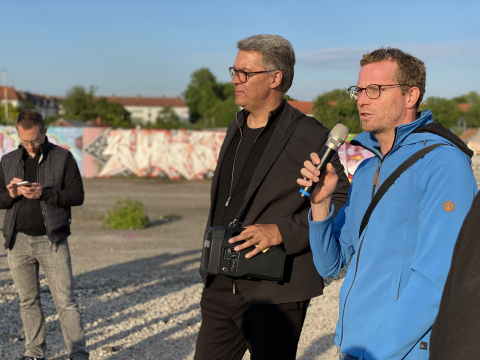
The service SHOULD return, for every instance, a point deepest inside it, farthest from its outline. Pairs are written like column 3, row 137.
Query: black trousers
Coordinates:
column 231, row 325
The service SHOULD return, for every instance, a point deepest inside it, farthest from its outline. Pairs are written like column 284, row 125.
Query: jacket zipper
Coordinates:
column 375, row 180
column 375, row 184
column 41, row 207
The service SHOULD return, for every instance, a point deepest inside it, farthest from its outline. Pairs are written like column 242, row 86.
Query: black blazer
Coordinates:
column 277, row 201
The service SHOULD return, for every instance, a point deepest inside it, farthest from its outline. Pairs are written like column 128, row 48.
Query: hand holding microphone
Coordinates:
column 319, row 170
column 327, row 179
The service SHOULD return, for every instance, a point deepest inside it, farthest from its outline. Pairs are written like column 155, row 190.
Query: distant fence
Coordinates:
column 104, row 152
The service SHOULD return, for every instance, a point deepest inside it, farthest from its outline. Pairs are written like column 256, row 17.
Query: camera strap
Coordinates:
column 267, row 168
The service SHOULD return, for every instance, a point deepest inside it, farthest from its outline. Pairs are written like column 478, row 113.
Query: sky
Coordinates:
column 150, row 48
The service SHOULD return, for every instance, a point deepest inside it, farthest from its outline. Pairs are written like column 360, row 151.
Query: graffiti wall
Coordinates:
column 104, row 152
column 351, row 156
column 174, row 154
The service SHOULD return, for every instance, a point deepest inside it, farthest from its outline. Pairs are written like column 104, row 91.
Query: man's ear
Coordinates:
column 413, row 95
column 276, row 79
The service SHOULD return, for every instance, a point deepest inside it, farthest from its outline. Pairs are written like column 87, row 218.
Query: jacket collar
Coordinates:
column 273, row 116
column 368, row 141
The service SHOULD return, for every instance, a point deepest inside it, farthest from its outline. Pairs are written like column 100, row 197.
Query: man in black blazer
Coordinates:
column 263, row 316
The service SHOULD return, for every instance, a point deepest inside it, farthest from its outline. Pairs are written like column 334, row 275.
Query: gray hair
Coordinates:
column 277, row 53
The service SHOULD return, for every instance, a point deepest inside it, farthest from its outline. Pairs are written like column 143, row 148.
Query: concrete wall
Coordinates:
column 104, row 152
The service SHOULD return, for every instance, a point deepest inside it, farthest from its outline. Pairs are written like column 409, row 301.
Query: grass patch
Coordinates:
column 127, row 214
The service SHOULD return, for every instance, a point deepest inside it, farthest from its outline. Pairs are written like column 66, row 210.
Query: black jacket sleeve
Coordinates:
column 456, row 329
column 72, row 194
column 6, row 201
column 294, row 228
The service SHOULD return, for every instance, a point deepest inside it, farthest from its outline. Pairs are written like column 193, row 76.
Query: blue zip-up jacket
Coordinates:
column 391, row 292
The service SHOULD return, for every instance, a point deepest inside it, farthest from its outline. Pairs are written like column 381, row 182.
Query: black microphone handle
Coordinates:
column 325, row 157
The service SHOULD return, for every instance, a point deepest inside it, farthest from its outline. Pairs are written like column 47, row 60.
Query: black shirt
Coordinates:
column 29, row 214
column 251, row 145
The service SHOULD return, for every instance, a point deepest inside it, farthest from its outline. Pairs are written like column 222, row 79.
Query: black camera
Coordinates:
column 218, row 257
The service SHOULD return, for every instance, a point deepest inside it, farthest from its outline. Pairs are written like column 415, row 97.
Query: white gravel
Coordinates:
column 139, row 290
column 149, row 314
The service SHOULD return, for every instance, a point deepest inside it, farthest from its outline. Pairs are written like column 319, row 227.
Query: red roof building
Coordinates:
column 305, row 107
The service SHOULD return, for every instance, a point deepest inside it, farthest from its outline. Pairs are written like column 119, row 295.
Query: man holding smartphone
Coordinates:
column 39, row 182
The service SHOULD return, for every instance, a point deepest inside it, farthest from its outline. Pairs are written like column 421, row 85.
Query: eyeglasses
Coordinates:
column 373, row 91
column 243, row 75
column 33, row 142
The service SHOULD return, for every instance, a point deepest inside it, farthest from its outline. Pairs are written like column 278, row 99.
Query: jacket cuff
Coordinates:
column 325, row 222
column 47, row 195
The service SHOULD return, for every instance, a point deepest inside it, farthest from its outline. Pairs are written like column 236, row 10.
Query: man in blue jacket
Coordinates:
column 399, row 263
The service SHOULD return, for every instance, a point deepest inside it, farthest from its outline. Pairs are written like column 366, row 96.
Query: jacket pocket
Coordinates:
column 395, row 287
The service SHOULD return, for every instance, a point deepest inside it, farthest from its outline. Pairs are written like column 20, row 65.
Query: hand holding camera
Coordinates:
column 262, row 236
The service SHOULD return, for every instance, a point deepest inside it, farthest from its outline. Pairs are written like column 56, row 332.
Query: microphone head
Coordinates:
column 338, row 135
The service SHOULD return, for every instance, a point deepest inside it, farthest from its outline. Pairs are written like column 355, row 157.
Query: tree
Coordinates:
column 211, row 103
column 336, row 107
column 471, row 97
column 111, row 113
column 289, row 98
column 472, row 115
column 80, row 104
column 166, row 119
column 26, row 105
column 446, row 112
column 12, row 115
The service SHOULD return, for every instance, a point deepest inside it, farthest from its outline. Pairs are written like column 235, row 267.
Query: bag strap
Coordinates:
column 391, row 180
column 267, row 168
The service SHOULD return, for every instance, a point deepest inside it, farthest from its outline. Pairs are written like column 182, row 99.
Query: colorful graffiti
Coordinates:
column 351, row 156
column 104, row 152
column 153, row 153
column 67, row 138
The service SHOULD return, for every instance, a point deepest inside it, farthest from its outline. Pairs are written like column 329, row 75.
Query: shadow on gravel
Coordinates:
column 113, row 294
column 324, row 342
column 119, row 302
column 160, row 222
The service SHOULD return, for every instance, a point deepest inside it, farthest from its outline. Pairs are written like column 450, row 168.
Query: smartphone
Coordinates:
column 24, row 183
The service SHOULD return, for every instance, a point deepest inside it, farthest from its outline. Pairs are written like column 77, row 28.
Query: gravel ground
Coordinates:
column 139, row 290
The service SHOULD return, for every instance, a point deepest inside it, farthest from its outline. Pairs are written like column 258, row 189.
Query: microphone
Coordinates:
column 335, row 139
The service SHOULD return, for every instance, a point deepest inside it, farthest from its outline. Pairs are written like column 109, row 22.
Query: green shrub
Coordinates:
column 127, row 214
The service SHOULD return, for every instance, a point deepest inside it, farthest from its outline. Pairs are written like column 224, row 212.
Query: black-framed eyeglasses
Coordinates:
column 243, row 75
column 33, row 142
column 373, row 91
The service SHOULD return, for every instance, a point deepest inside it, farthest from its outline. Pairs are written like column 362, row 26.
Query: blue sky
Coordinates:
column 151, row 47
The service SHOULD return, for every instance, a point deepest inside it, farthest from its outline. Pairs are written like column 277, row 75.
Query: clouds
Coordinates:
column 332, row 58
column 349, row 57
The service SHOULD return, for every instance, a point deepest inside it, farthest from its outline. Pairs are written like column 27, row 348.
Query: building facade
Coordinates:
column 146, row 110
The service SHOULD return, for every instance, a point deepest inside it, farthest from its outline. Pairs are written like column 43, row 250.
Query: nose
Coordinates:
column 235, row 80
column 363, row 99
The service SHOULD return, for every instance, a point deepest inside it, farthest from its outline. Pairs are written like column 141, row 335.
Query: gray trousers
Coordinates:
column 26, row 255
